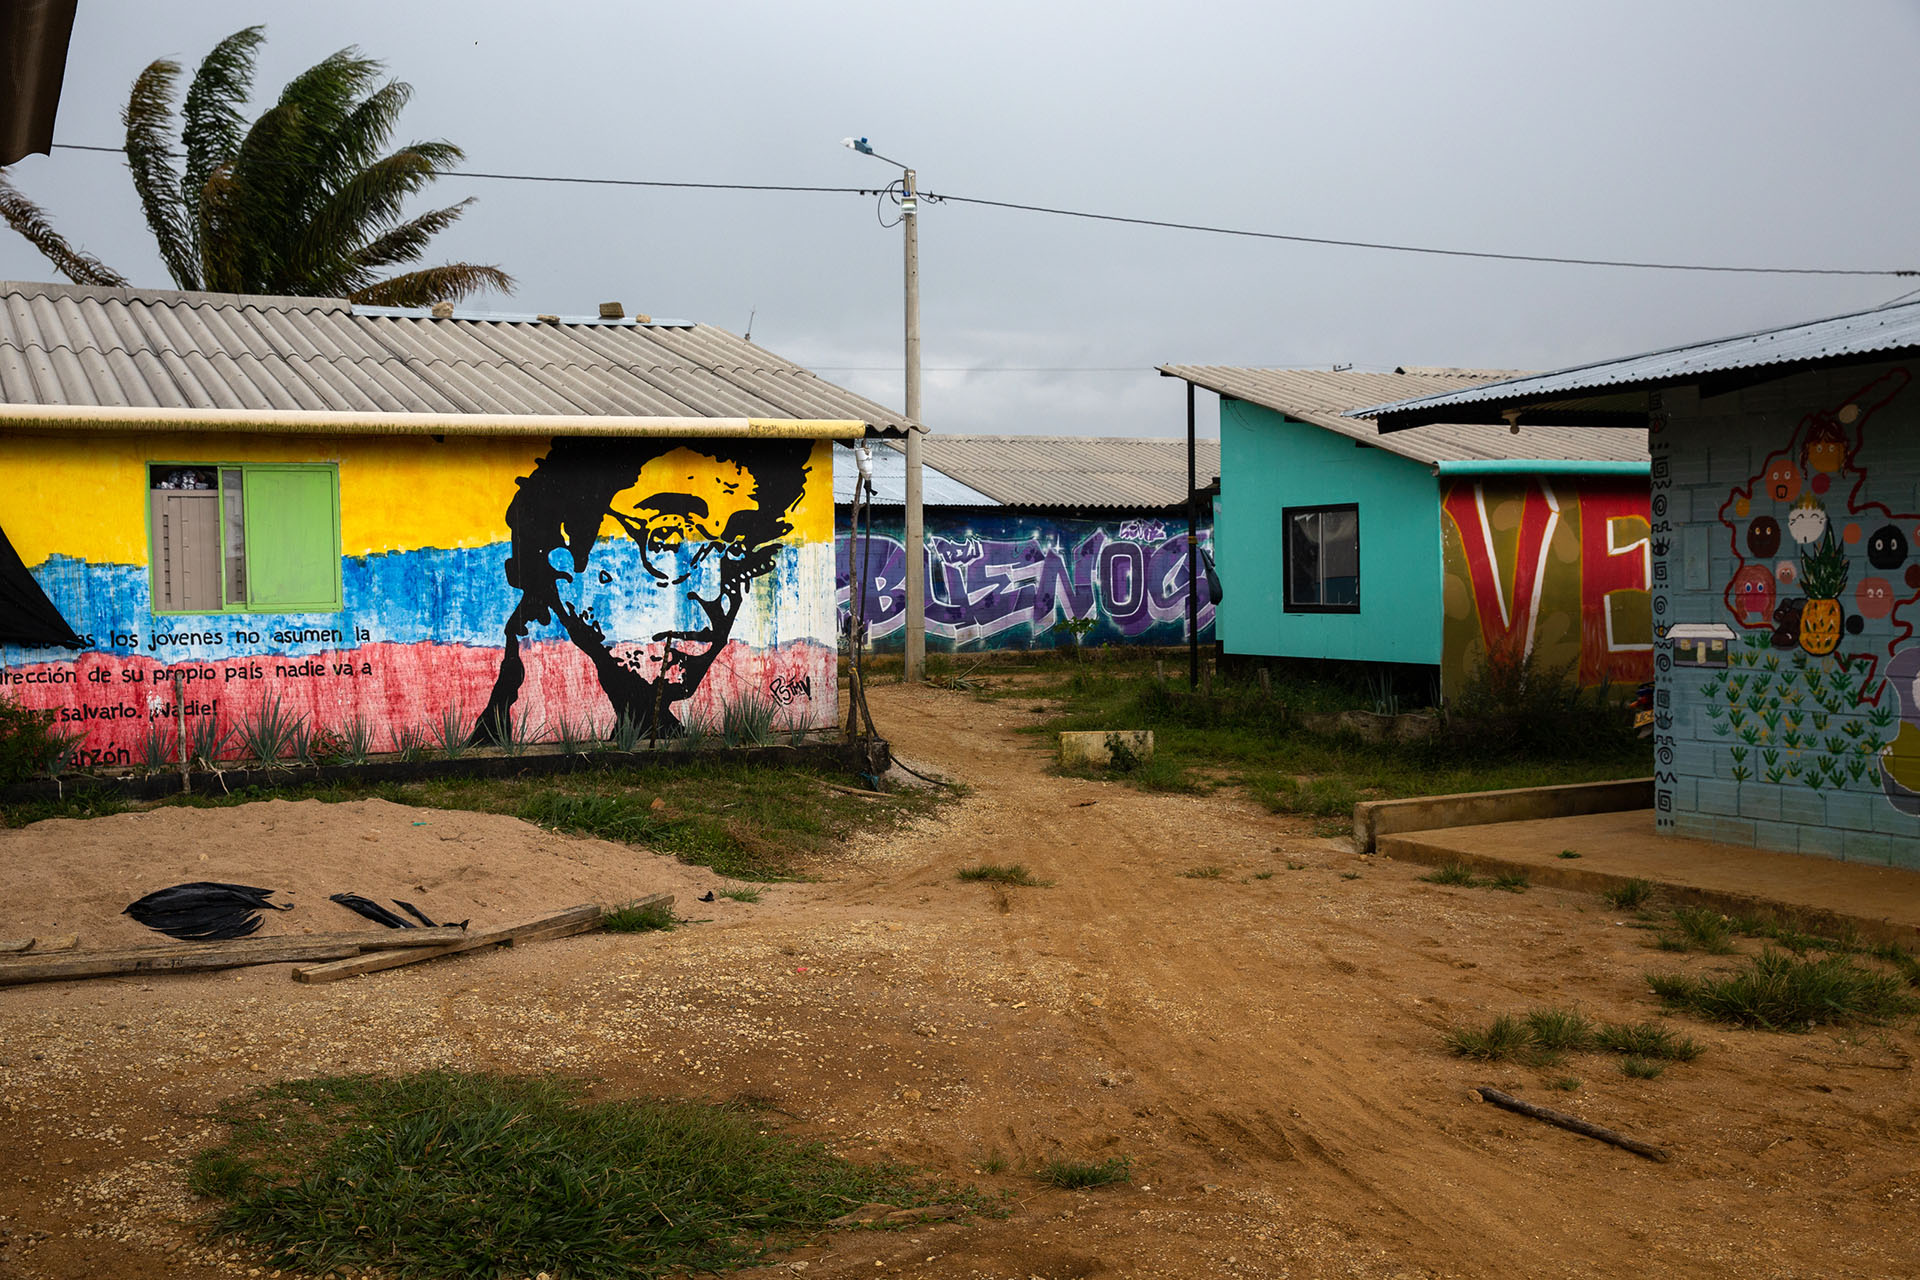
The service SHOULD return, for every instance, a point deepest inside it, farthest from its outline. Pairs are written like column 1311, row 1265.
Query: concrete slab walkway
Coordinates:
column 1882, row 903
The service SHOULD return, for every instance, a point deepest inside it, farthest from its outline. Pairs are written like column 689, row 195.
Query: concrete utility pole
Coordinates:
column 915, row 666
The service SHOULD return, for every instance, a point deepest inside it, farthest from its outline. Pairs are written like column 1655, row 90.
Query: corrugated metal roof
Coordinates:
column 140, row 348
column 1884, row 330
column 937, row 489
column 1072, row 471
column 1329, row 399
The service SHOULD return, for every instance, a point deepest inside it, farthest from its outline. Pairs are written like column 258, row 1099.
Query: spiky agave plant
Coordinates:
column 1823, row 576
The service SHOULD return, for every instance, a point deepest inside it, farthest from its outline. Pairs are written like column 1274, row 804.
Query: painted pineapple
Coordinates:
column 1823, row 576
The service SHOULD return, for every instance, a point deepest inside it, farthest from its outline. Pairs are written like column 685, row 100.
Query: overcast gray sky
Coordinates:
column 1721, row 131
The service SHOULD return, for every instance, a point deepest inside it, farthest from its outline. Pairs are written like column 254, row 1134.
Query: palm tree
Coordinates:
column 301, row 202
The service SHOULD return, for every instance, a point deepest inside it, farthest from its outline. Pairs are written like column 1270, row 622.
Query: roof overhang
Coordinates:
column 1628, row 409
column 64, row 418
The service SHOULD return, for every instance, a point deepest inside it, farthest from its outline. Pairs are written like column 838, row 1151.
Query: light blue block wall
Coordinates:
column 1819, row 774
column 1269, row 462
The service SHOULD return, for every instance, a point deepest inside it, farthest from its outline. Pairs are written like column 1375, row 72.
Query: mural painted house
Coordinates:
column 381, row 518
column 1025, row 532
column 1432, row 548
column 1786, row 588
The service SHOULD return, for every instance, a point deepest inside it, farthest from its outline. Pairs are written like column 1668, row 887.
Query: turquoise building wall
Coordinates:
column 1269, row 462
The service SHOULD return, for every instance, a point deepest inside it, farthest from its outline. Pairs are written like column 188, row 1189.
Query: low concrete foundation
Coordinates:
column 1879, row 903
column 1375, row 818
column 1098, row 747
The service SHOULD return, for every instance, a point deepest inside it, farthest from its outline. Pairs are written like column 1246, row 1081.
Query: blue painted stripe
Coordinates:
column 440, row 595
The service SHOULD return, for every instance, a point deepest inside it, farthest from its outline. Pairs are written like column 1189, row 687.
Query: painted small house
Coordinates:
column 1786, row 588
column 1431, row 548
column 388, row 524
column 1027, row 533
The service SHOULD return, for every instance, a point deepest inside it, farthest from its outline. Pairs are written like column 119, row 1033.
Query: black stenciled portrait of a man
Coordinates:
column 642, row 550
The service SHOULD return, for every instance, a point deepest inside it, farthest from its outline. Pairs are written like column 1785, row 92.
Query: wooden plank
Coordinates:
column 375, row 961
column 109, row 964
column 15, row 944
column 364, row 939
column 1573, row 1124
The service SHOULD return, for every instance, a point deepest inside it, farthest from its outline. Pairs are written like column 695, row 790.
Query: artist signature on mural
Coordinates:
column 785, row 689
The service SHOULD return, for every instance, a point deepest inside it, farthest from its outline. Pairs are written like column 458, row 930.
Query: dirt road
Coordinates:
column 1263, row 1043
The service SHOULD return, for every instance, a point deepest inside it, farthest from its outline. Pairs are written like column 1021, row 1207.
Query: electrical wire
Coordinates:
column 939, row 198
column 1163, row 224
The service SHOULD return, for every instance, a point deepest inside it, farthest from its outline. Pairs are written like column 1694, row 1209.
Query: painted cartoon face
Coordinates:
column 1826, row 447
column 1783, row 480
column 1873, row 597
column 1763, row 537
column 1753, row 594
column 1887, row 548
column 1807, row 522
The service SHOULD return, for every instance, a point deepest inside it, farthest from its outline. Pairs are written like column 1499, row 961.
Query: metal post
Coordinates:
column 914, row 667
column 1193, row 557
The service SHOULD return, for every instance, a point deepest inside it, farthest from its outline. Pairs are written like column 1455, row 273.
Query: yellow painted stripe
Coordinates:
column 87, row 496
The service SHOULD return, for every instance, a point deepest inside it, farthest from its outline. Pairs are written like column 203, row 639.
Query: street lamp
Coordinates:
column 915, row 663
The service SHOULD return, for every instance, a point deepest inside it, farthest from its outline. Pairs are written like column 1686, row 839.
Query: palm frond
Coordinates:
column 429, row 285
column 364, row 209
column 406, row 242
column 26, row 217
column 148, row 117
column 213, row 124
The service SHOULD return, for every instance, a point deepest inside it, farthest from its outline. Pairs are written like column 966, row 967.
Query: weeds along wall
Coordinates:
column 406, row 582
column 1787, row 594
column 998, row 580
column 1553, row 566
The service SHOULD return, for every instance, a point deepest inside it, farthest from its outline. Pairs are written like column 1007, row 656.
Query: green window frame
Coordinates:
column 244, row 537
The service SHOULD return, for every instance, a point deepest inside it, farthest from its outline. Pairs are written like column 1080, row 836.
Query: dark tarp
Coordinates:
column 26, row 615
column 33, row 62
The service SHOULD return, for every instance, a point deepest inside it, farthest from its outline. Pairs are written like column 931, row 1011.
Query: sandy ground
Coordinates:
column 1265, row 1049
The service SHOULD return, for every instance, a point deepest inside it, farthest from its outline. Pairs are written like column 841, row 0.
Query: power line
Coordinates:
column 1423, row 249
column 1205, row 228
column 586, row 182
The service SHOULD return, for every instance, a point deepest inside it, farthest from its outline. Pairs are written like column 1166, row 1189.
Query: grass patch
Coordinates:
column 741, row 895
column 1647, row 1040
column 1567, row 853
column 1779, row 991
column 86, row 802
column 449, row 1175
column 1204, row 873
column 1002, row 873
column 635, row 917
column 1245, row 737
column 1560, row 1030
column 1566, row 1084
column 1083, row 1175
column 1699, row 929
column 1641, row 1068
column 1461, row 875
column 1505, row 1037
column 758, row 821
column 1628, row 895
column 1542, row 1037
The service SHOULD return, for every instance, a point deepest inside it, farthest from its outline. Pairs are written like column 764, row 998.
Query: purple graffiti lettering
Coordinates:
column 1010, row 592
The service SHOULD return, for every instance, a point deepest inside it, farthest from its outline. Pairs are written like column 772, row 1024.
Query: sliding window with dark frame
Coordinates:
column 1321, row 558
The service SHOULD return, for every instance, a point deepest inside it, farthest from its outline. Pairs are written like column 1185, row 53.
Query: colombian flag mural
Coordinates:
column 543, row 588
